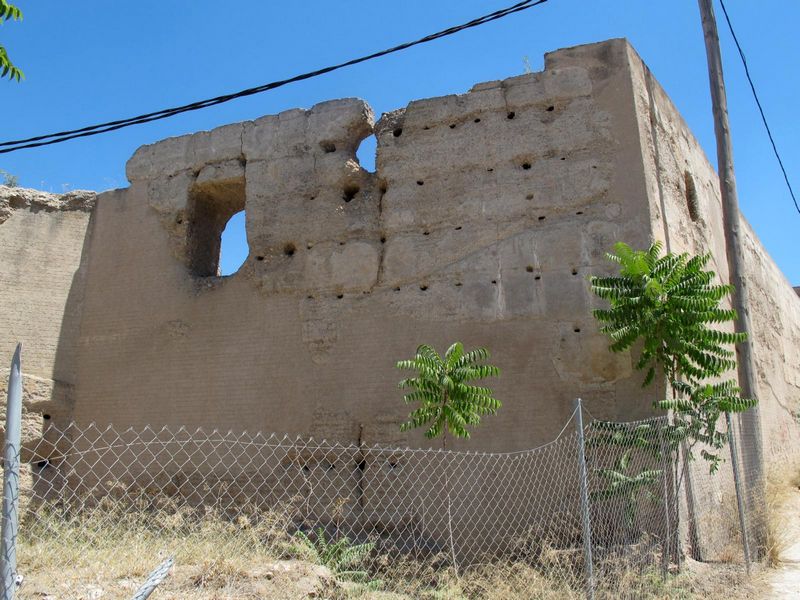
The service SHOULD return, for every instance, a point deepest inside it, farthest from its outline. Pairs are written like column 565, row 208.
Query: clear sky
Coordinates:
column 96, row 60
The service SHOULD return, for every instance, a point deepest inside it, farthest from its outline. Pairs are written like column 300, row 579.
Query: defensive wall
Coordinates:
column 485, row 216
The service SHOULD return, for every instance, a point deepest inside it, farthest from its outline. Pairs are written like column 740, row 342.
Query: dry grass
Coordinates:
column 781, row 529
column 106, row 552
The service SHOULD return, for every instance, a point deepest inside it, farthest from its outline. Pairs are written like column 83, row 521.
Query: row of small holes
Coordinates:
column 510, row 115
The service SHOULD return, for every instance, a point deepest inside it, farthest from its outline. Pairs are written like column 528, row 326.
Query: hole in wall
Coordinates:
column 537, row 278
column 574, row 271
column 529, row 268
column 233, row 249
column 528, row 196
column 458, row 228
column 550, row 108
column 340, row 296
column 349, row 192
column 259, row 258
column 423, row 287
column 691, row 196
column 397, row 289
column 327, row 146
column 477, row 121
column 577, row 330
column 216, row 240
column 42, row 464
column 459, row 284
column 511, row 115
column 397, row 132
column 494, row 281
column 526, row 165
column 452, row 125
column 383, row 239
column 366, row 153
column 289, row 249
column 542, row 218
column 420, row 182
column 426, row 233
column 580, row 212
column 46, row 417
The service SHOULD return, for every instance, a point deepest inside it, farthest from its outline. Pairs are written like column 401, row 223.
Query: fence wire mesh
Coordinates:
column 101, row 507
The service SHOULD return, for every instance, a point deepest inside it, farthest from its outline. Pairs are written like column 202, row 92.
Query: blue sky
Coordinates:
column 96, row 60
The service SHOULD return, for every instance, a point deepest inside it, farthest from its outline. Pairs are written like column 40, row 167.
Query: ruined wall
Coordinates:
column 486, row 215
column 686, row 206
column 42, row 239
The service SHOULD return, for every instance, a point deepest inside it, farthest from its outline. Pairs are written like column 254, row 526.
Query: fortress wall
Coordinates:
column 687, row 214
column 42, row 273
column 486, row 215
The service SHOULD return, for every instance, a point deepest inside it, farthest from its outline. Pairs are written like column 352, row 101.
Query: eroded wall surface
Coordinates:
column 42, row 239
column 486, row 215
column 686, row 207
column 484, row 218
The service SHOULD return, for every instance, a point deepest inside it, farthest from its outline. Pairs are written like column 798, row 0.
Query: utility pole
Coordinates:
column 749, row 421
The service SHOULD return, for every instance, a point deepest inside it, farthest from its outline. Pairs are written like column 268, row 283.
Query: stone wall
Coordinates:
column 485, row 216
column 42, row 267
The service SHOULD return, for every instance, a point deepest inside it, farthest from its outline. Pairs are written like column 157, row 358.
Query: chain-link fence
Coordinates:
column 602, row 510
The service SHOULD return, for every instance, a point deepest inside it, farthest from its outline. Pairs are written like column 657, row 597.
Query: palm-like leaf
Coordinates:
column 447, row 402
column 671, row 305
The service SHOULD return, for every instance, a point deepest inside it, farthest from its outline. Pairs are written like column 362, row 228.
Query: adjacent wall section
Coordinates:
column 42, row 275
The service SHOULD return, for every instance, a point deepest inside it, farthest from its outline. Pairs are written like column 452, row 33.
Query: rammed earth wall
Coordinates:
column 485, row 216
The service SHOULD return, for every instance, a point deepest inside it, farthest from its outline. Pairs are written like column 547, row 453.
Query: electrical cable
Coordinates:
column 62, row 136
column 758, row 103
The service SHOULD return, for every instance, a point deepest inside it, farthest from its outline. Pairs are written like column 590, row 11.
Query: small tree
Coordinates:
column 448, row 403
column 670, row 304
column 7, row 69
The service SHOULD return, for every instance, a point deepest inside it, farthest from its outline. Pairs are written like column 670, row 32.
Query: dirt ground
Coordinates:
column 784, row 581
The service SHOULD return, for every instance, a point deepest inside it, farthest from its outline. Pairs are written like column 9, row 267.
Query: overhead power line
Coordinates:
column 758, row 103
column 62, row 136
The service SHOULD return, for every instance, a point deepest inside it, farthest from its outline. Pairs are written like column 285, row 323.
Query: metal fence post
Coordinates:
column 587, row 526
column 666, row 546
column 738, row 485
column 11, row 460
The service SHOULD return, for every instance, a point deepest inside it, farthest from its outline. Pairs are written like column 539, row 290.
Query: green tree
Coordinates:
column 7, row 69
column 670, row 304
column 447, row 401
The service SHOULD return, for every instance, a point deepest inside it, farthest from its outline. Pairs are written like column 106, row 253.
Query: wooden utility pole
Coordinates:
column 749, row 421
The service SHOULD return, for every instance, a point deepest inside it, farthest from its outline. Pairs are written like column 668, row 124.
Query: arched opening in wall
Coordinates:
column 233, row 250
column 691, row 196
column 367, row 153
column 212, row 205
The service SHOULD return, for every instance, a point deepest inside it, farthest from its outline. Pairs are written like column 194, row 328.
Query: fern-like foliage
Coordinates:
column 447, row 401
column 343, row 558
column 628, row 487
column 9, row 12
column 671, row 305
